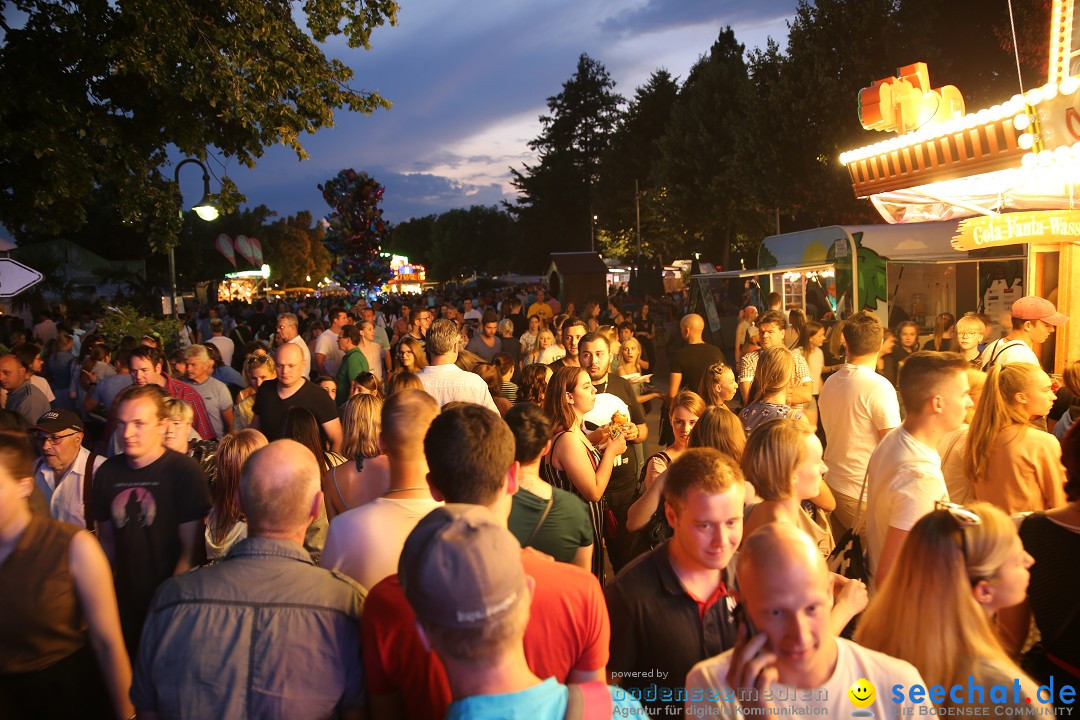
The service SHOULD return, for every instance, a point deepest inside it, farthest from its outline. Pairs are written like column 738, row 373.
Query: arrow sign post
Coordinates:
column 16, row 277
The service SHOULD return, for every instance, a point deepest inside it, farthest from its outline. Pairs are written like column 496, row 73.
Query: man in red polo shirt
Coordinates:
column 470, row 453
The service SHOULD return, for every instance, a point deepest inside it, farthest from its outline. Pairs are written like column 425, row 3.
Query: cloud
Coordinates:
column 657, row 15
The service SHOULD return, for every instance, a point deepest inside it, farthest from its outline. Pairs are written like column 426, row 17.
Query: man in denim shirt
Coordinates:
column 263, row 633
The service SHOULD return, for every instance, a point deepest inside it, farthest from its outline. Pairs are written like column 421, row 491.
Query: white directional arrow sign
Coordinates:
column 16, row 277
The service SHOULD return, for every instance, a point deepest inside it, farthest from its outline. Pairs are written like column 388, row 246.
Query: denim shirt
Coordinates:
column 263, row 633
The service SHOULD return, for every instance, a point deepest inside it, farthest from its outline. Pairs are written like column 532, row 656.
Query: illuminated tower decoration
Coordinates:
column 907, row 102
column 1064, row 53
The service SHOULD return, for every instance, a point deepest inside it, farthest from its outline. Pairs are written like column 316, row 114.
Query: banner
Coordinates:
column 243, row 246
column 256, row 251
column 225, row 247
column 1036, row 227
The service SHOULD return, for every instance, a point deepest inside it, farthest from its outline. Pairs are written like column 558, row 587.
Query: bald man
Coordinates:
column 785, row 593
column 687, row 367
column 200, row 657
column 290, row 389
column 22, row 396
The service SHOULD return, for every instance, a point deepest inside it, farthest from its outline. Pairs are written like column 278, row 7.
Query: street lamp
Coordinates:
column 205, row 209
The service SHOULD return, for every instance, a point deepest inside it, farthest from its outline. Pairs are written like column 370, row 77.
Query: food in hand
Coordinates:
column 619, row 418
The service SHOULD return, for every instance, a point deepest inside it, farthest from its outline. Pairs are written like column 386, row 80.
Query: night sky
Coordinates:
column 469, row 81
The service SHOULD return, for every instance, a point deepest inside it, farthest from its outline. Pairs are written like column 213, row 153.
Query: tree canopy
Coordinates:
column 97, row 94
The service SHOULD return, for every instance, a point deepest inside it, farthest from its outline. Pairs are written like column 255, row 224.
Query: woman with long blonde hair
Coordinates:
column 226, row 525
column 957, row 568
column 768, row 396
column 1012, row 464
column 350, row 485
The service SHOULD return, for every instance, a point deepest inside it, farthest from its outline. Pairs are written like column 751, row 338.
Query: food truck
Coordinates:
column 980, row 208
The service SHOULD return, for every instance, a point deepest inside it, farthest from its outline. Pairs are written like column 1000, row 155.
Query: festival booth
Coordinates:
column 407, row 278
column 1001, row 185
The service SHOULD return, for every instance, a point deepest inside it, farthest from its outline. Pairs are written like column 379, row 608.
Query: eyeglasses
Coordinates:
column 968, row 333
column 54, row 439
column 964, row 519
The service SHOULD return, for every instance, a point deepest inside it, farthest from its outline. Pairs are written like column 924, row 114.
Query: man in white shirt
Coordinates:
column 471, row 313
column 787, row 661
column 444, row 380
column 1033, row 321
column 61, row 471
column 327, row 353
column 288, row 331
column 904, row 473
column 224, row 345
column 365, row 542
column 858, row 407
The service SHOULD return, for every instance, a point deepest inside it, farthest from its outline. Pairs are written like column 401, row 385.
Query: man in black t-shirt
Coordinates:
column 274, row 398
column 687, row 367
column 149, row 504
column 614, row 394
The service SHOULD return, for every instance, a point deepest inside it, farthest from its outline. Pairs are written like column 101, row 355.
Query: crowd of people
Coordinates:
column 340, row 509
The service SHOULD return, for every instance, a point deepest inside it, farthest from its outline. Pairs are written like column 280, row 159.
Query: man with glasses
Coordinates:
column 65, row 471
column 288, row 331
column 904, row 478
column 1033, row 321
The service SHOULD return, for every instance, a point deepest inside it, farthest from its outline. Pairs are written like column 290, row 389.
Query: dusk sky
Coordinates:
column 469, row 81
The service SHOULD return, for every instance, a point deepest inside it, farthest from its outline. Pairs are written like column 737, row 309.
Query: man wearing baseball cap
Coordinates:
column 65, row 470
column 1033, row 321
column 462, row 573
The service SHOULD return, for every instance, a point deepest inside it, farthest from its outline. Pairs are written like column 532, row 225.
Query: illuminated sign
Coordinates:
column 1045, row 227
column 907, row 102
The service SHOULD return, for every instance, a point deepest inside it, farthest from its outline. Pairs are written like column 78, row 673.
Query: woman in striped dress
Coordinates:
column 574, row 464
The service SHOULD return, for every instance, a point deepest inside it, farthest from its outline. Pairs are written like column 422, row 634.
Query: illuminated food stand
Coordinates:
column 1001, row 185
column 407, row 278
column 244, row 285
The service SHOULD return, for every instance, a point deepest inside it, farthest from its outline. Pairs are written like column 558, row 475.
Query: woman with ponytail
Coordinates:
column 1012, row 464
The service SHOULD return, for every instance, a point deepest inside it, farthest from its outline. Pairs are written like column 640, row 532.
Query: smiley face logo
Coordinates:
column 861, row 693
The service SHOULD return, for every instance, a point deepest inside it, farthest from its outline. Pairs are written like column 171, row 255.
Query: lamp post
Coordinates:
column 204, row 209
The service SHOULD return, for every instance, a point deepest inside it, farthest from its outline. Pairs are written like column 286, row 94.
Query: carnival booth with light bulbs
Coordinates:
column 981, row 207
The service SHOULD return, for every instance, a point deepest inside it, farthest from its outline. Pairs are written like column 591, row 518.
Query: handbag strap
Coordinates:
column 543, row 517
column 859, row 505
column 88, row 483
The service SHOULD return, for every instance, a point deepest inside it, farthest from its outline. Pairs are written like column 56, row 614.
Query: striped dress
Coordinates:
column 561, row 480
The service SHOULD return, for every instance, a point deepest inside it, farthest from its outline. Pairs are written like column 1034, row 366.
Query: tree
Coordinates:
column 699, row 165
column 294, row 250
column 97, row 93
column 632, row 157
column 556, row 200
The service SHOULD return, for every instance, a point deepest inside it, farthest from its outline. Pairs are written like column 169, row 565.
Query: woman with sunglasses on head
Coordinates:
column 958, row 568
column 1013, row 464
column 63, row 655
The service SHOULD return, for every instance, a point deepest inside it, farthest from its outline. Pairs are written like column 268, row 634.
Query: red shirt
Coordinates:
column 568, row 630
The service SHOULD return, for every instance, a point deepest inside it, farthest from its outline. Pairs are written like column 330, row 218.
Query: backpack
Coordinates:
column 1002, row 346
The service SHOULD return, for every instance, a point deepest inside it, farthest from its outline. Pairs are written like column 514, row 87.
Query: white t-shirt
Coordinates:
column 43, row 385
column 550, row 354
column 306, row 369
column 855, row 404
column 473, row 314
column 1012, row 352
column 326, row 344
column 449, row 383
column 708, row 694
column 905, row 481
column 953, row 449
column 365, row 543
column 225, row 346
